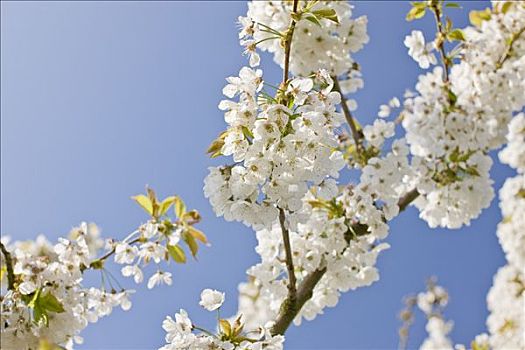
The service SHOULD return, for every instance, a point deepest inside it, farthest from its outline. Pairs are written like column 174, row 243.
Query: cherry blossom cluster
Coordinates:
column 287, row 148
column 325, row 40
column 455, row 118
column 181, row 333
column 46, row 303
column 280, row 151
column 512, row 196
column 50, row 305
column 323, row 236
column 506, row 298
column 158, row 240
column 432, row 303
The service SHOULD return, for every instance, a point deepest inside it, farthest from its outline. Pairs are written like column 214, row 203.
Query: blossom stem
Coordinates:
column 348, row 115
column 204, row 331
column 292, row 291
column 9, row 267
column 288, row 44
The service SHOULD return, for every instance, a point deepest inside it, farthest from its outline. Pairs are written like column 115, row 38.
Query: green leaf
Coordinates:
column 247, row 132
column 34, row 298
column 180, row 207
column 452, row 97
column 420, row 4
column 177, row 253
column 477, row 17
column 40, row 314
column 197, row 234
column 192, row 244
column 453, row 5
column 448, row 25
column 506, row 6
column 166, row 204
column 416, row 12
column 192, row 215
column 237, row 326
column 45, row 344
column 144, row 202
column 456, row 34
column 472, row 171
column 327, row 13
column 226, row 328
column 312, row 18
column 42, row 304
column 50, row 303
column 154, row 202
column 214, row 150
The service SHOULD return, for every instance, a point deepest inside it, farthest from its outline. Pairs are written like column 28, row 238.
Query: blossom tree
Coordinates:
column 284, row 147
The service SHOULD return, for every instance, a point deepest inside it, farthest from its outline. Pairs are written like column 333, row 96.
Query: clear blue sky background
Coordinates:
column 100, row 99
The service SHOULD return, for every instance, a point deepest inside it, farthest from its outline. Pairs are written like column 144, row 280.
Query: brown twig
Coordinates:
column 349, row 117
column 289, row 258
column 9, row 267
column 441, row 39
column 288, row 44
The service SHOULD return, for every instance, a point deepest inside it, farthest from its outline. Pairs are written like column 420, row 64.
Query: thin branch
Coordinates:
column 289, row 259
column 348, row 115
column 441, row 40
column 305, row 289
column 111, row 252
column 288, row 44
column 9, row 267
column 407, row 317
column 508, row 52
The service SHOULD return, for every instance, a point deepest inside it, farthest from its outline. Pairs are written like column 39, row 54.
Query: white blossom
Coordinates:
column 420, row 51
column 211, row 299
column 159, row 277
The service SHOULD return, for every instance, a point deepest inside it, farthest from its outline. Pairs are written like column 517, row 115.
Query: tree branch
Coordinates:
column 408, row 198
column 289, row 259
column 304, row 293
column 441, row 39
column 9, row 267
column 305, row 290
column 288, row 44
column 348, row 115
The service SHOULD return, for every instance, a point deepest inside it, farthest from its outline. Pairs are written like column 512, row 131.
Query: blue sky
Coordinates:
column 101, row 98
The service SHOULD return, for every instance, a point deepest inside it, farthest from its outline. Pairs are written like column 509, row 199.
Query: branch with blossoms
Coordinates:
column 286, row 145
column 334, row 233
column 46, row 304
